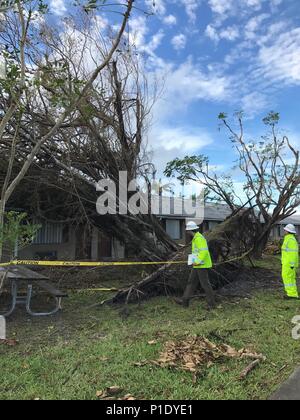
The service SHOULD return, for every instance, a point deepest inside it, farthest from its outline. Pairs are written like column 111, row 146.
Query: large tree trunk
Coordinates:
column 261, row 243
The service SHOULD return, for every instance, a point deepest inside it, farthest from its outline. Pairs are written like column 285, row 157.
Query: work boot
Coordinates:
column 183, row 302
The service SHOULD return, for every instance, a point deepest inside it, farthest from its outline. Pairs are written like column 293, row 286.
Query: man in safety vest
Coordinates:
column 201, row 261
column 290, row 262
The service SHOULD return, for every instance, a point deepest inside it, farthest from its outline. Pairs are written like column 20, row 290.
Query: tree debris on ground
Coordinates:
column 249, row 369
column 113, row 393
column 10, row 343
column 230, row 244
column 192, row 354
column 273, row 248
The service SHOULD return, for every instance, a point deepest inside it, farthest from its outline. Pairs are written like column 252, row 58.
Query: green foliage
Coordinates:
column 186, row 169
column 272, row 119
column 43, row 8
column 6, row 5
column 92, row 5
column 222, row 116
column 64, row 87
column 17, row 230
column 10, row 76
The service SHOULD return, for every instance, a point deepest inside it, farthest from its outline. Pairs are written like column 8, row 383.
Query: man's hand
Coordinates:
column 198, row 264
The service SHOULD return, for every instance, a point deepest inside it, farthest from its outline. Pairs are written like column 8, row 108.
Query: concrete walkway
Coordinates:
column 290, row 391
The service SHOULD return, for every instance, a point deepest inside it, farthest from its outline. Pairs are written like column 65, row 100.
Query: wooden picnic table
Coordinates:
column 17, row 275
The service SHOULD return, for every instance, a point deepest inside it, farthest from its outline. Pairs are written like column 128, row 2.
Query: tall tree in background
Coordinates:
column 269, row 168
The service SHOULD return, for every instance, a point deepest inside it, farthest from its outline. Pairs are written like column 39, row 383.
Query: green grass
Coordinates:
column 82, row 351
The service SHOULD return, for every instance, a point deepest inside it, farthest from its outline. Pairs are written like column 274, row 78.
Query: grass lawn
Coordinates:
column 81, row 351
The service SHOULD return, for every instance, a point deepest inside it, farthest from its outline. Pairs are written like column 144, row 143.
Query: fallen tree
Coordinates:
column 230, row 244
column 104, row 139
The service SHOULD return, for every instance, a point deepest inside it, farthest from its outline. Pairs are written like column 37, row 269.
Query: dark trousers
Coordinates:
column 199, row 276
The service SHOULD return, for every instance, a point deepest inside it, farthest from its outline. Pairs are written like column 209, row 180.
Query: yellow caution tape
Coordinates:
column 95, row 290
column 85, row 264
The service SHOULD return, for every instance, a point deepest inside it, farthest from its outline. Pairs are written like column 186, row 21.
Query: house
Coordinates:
column 59, row 241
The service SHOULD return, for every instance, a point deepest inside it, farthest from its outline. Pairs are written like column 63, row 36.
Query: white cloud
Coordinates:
column 186, row 84
column 58, row 7
column 255, row 4
column 231, row 33
column 137, row 31
column 155, row 42
column 221, row 7
column 254, row 25
column 275, row 3
column 168, row 143
column 182, row 138
column 170, row 20
column 190, row 82
column 273, row 32
column 191, row 7
column 138, row 34
column 212, row 33
column 280, row 60
column 253, row 103
column 179, row 42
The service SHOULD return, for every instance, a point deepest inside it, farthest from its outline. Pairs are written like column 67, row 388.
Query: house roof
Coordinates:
column 179, row 208
column 294, row 220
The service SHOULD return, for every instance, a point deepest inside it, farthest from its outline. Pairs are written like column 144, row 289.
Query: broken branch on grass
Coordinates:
column 249, row 369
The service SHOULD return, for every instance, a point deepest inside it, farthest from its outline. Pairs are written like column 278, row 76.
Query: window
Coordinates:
column 173, row 229
column 49, row 234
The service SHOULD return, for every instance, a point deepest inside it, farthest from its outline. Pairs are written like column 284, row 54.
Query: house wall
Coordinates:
column 118, row 249
column 278, row 232
column 65, row 251
column 213, row 225
column 104, row 247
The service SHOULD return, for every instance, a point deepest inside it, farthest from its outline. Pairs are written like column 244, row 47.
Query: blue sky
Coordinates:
column 216, row 55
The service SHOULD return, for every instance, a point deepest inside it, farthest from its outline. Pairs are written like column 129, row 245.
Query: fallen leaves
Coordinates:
column 112, row 392
column 104, row 359
column 152, row 342
column 193, row 353
column 10, row 343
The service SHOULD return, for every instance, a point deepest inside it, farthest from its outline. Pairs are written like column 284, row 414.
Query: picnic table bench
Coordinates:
column 17, row 275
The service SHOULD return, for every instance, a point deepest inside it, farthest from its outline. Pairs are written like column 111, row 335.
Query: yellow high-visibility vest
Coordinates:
column 201, row 252
column 290, row 251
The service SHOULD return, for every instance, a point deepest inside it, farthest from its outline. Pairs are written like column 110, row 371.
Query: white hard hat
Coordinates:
column 291, row 229
column 192, row 226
